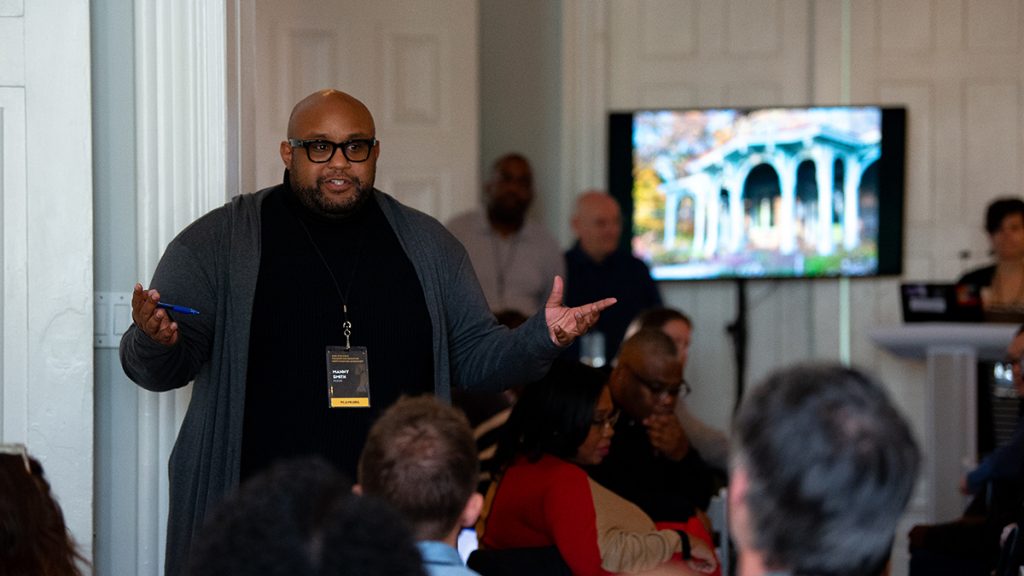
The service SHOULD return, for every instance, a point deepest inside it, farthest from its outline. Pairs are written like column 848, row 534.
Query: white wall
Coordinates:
column 520, row 96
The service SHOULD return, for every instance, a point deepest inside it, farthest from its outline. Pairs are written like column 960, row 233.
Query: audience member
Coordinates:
column 822, row 468
column 970, row 544
column 712, row 443
column 34, row 541
column 300, row 518
column 596, row 265
column 1002, row 283
column 420, row 458
column 514, row 257
column 322, row 266
column 652, row 463
column 544, row 498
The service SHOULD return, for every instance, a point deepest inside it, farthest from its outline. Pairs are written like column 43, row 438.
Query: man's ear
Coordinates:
column 574, row 225
column 286, row 153
column 472, row 510
column 739, row 520
column 357, row 489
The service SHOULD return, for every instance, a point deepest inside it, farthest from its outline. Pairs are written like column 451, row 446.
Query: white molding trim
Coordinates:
column 584, row 102
column 181, row 125
column 14, row 281
column 241, row 90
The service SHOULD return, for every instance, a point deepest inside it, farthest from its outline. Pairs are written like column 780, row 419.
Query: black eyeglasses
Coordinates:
column 609, row 420
column 320, row 151
column 682, row 390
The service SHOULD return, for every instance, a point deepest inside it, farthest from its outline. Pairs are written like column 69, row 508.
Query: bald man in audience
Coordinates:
column 598, row 265
column 651, row 462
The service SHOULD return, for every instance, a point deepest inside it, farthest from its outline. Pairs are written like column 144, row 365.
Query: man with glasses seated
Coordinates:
column 304, row 310
column 651, row 462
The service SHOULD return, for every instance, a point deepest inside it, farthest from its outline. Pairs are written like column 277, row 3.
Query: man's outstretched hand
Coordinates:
column 567, row 324
column 152, row 320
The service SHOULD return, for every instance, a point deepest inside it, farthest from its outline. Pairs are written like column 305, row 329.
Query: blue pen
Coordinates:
column 176, row 308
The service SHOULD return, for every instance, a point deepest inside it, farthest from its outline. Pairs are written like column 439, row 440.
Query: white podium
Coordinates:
column 952, row 351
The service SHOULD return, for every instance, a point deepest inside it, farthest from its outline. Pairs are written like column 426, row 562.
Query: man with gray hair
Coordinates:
column 822, row 468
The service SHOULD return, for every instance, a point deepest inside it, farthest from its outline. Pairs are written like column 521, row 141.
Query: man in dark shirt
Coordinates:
column 320, row 301
column 596, row 267
column 651, row 462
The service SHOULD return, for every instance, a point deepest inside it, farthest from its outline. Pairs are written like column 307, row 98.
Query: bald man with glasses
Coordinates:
column 303, row 310
column 651, row 462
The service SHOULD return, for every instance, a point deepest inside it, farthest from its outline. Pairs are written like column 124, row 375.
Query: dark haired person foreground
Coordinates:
column 322, row 268
column 420, row 458
column 300, row 518
column 1002, row 283
column 34, row 541
column 544, row 498
column 823, row 466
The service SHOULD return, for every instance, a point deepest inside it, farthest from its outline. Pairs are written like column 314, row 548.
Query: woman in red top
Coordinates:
column 544, row 498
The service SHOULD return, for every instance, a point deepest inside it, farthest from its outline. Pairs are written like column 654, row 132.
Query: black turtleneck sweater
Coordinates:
column 297, row 313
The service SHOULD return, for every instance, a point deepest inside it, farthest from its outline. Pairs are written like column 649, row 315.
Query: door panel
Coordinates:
column 412, row 63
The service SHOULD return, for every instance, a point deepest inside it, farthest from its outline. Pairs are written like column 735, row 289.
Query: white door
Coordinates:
column 413, row 63
column 46, row 354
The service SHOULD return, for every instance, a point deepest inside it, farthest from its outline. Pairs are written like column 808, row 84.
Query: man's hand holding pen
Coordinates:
column 151, row 315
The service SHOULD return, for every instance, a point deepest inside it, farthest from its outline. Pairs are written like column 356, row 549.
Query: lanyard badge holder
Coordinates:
column 348, row 374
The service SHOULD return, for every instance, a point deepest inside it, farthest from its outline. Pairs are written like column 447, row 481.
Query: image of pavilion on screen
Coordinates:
column 769, row 192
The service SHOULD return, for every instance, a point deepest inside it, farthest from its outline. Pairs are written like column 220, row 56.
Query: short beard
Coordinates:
column 315, row 201
column 504, row 215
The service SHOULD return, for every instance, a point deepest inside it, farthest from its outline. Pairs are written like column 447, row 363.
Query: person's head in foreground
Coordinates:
column 300, row 518
column 822, row 468
column 421, row 458
column 33, row 537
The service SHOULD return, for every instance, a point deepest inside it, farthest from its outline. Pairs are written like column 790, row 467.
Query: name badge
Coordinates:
column 348, row 377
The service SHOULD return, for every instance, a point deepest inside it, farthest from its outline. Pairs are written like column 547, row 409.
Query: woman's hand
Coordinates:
column 702, row 557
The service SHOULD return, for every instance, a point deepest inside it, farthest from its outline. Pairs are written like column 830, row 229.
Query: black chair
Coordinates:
column 544, row 561
column 969, row 545
column 1011, row 556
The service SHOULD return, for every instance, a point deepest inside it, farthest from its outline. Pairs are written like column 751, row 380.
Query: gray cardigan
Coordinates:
column 212, row 266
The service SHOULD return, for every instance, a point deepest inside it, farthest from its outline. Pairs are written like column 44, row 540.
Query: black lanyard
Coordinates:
column 346, row 324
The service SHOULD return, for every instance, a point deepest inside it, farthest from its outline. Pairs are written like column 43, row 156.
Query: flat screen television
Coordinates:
column 774, row 192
